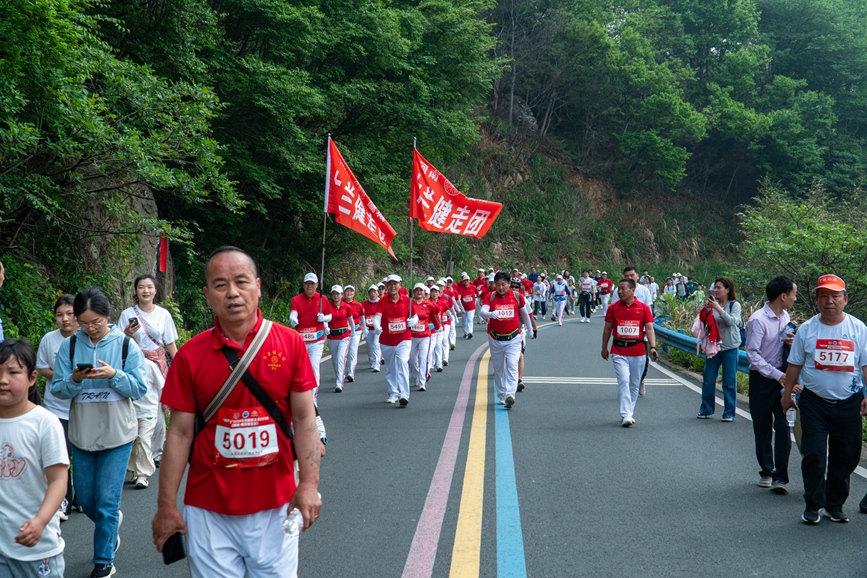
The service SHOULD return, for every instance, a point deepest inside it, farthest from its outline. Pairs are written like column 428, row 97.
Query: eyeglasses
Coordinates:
column 92, row 325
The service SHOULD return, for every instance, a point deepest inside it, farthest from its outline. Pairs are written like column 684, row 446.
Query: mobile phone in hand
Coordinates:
column 84, row 366
column 173, row 549
column 134, row 321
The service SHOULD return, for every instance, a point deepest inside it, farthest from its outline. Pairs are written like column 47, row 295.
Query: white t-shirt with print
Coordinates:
column 161, row 328
column 29, row 443
column 832, row 356
column 48, row 348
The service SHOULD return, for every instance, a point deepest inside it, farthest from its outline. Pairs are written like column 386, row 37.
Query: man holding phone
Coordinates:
column 230, row 530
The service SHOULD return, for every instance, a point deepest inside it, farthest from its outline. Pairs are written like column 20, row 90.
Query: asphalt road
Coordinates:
column 454, row 485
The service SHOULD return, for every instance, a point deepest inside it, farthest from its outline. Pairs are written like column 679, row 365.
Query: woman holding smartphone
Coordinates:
column 722, row 305
column 102, row 372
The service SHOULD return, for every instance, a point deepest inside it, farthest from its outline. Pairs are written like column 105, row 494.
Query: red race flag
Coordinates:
column 352, row 208
column 164, row 253
column 440, row 207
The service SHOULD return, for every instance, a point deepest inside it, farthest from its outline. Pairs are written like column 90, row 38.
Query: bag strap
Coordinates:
column 123, row 354
column 259, row 393
column 238, row 370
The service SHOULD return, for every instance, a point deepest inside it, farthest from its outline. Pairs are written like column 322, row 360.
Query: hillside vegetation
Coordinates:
column 611, row 132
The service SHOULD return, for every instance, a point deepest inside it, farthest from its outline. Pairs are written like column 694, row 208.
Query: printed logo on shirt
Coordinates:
column 11, row 467
column 273, row 359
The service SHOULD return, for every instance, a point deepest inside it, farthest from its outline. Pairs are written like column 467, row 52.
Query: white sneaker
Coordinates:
column 627, row 422
column 501, row 401
column 375, row 369
column 391, row 399
column 641, row 389
column 560, row 324
column 141, row 483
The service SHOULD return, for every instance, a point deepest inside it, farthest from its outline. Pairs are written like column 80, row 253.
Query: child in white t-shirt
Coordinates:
column 33, row 464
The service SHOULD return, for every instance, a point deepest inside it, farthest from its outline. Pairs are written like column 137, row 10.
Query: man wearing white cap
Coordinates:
column 355, row 340
column 430, row 281
column 340, row 329
column 426, row 315
column 467, row 301
column 829, row 355
column 371, row 334
column 605, row 286
column 307, row 318
column 395, row 340
column 504, row 309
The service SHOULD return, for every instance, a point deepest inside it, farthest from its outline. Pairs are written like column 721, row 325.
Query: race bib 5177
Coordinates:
column 834, row 355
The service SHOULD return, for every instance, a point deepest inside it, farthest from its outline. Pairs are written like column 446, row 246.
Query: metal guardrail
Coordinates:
column 681, row 340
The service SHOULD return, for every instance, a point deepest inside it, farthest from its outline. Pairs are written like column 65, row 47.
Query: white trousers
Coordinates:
column 374, row 355
column 141, row 462
column 605, row 299
column 397, row 368
column 443, row 355
column 628, row 369
column 453, row 329
column 255, row 545
column 352, row 354
column 436, row 353
column 558, row 309
column 504, row 360
column 314, row 351
column 159, row 438
column 339, row 350
column 468, row 322
column 419, row 353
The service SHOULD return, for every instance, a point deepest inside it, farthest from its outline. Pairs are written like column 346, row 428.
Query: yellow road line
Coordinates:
column 466, row 555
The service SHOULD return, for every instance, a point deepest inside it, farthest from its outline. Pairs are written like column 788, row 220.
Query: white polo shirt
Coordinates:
column 832, row 356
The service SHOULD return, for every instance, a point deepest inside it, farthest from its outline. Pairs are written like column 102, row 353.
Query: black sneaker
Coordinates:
column 520, row 385
column 103, row 570
column 863, row 505
column 509, row 402
column 156, row 463
column 404, row 402
column 838, row 516
column 811, row 516
column 350, row 379
column 470, row 336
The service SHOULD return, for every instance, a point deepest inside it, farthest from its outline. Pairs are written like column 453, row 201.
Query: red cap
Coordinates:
column 831, row 282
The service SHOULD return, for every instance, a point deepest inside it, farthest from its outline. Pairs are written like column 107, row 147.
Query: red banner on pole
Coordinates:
column 440, row 207
column 164, row 254
column 352, row 208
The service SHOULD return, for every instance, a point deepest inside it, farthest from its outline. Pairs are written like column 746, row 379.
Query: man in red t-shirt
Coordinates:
column 604, row 286
column 467, row 300
column 504, row 309
column 628, row 320
column 308, row 318
column 395, row 340
column 241, row 481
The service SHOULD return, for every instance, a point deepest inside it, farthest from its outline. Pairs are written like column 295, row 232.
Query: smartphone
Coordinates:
column 133, row 321
column 173, row 549
column 84, row 366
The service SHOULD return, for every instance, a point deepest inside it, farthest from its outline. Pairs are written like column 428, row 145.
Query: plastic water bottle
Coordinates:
column 294, row 522
column 790, row 413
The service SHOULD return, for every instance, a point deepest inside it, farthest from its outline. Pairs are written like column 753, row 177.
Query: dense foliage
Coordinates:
column 205, row 120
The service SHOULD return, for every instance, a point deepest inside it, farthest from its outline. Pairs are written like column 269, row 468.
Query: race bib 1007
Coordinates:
column 628, row 329
column 834, row 355
column 245, row 438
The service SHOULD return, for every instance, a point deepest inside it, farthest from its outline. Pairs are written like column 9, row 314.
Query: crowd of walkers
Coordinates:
column 244, row 419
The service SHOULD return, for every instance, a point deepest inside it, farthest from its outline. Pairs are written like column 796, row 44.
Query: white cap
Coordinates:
column 393, row 277
column 464, row 275
column 421, row 286
column 373, row 288
column 523, row 275
column 449, row 278
column 347, row 288
column 490, row 278
column 441, row 281
column 605, row 272
column 559, row 276
column 430, row 279
column 311, row 277
column 336, row 288
column 433, row 288
column 482, row 269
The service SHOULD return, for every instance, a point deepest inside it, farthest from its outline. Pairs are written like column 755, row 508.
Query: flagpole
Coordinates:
column 411, row 230
column 325, row 214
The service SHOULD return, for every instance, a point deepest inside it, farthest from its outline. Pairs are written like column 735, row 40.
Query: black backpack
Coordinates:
column 123, row 354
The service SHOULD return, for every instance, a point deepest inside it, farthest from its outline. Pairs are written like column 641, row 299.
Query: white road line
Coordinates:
column 745, row 414
column 592, row 380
